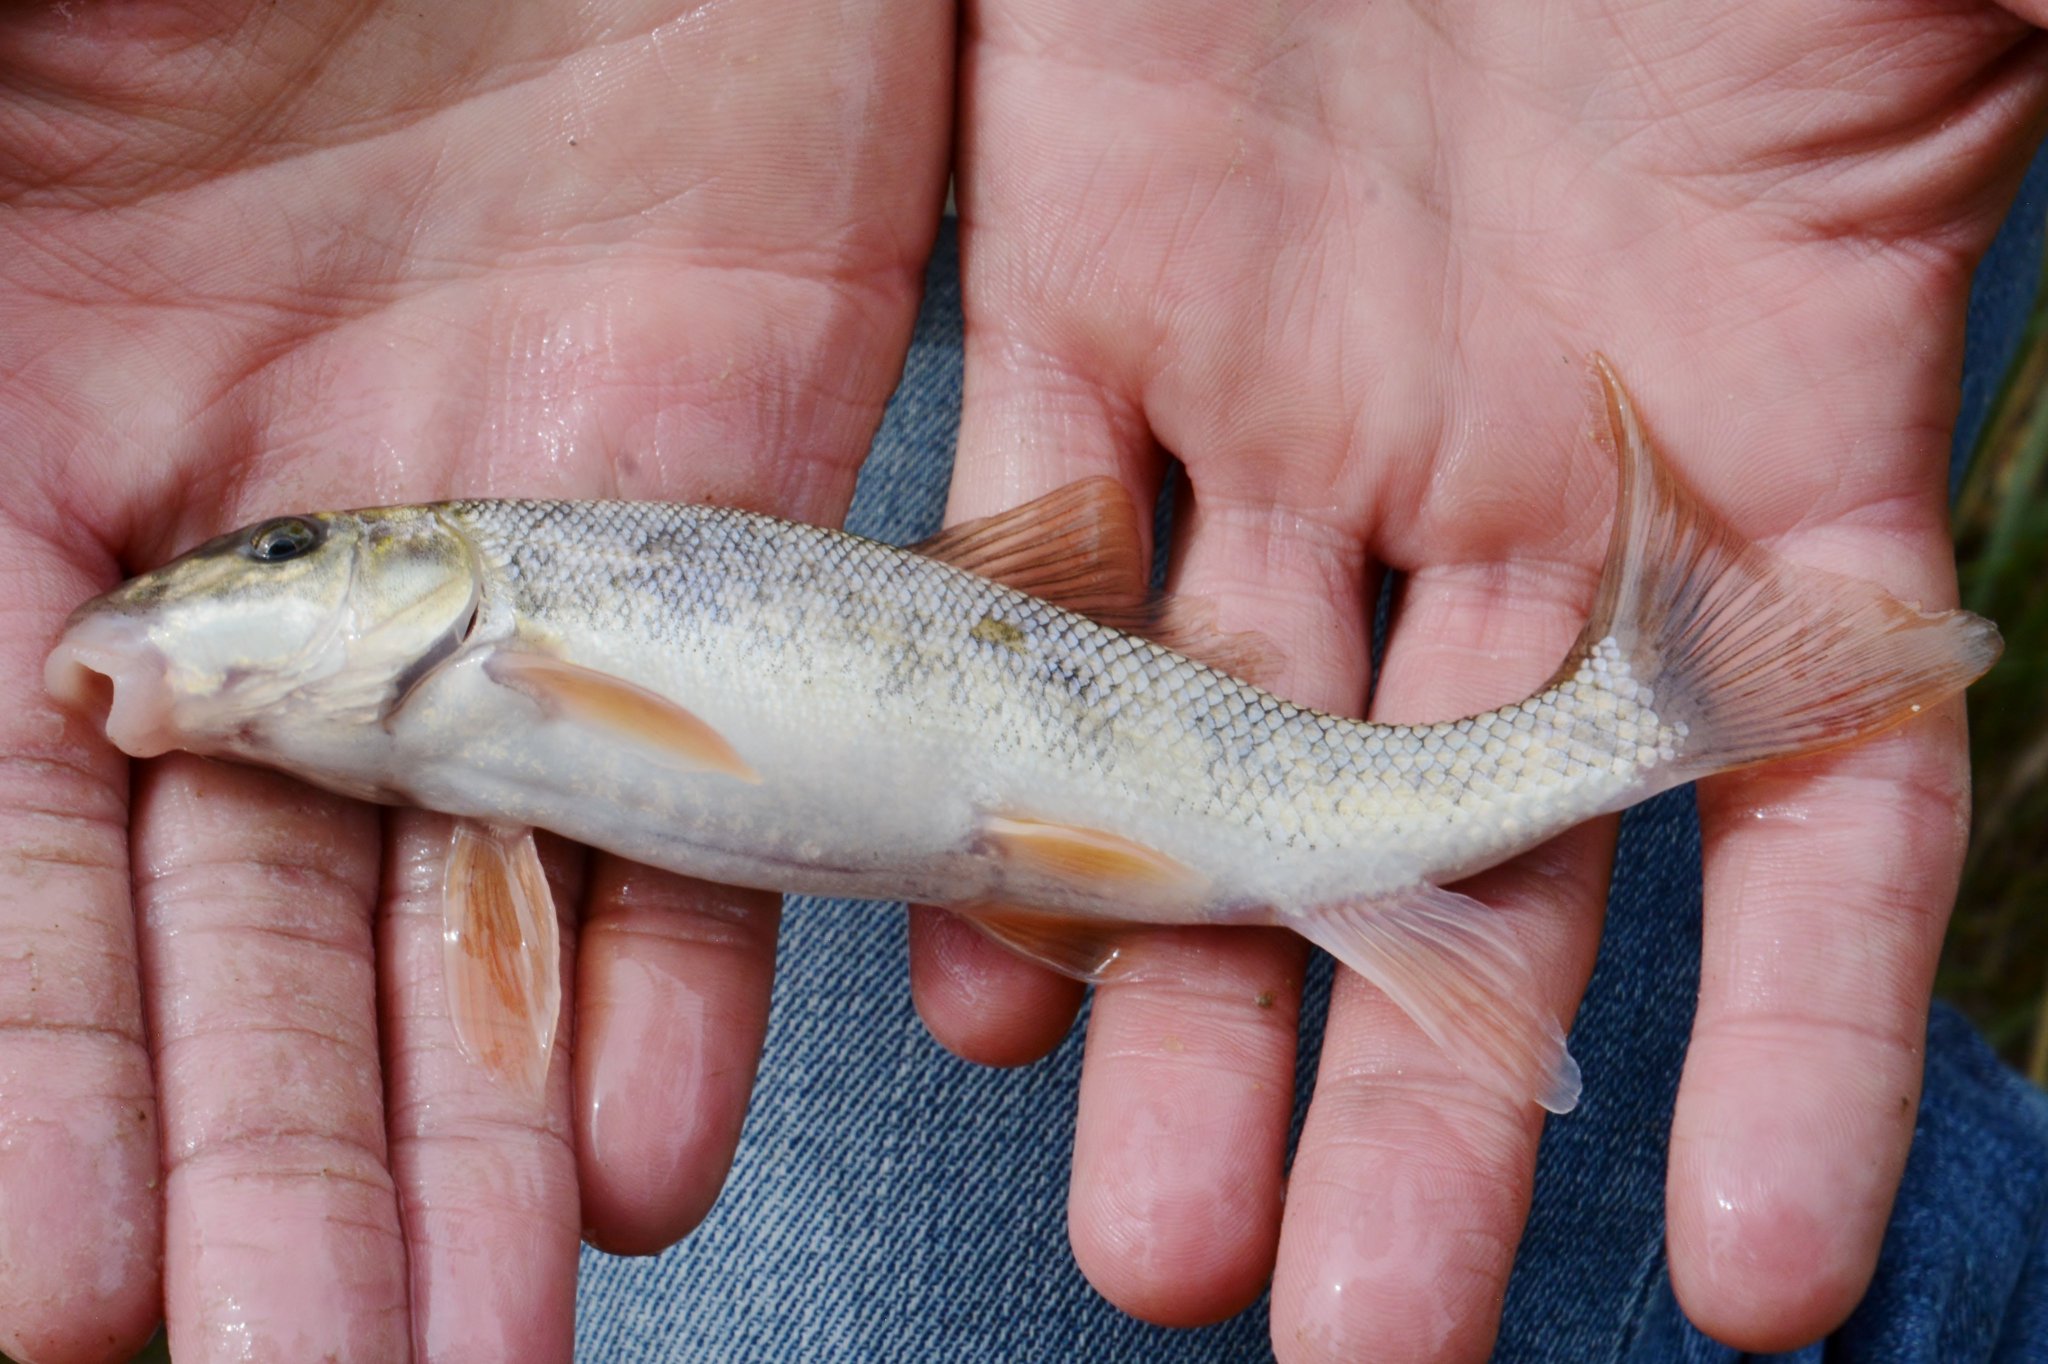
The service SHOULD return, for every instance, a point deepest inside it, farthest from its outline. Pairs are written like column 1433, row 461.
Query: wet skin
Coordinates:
column 263, row 259
column 1344, row 261
column 1345, row 265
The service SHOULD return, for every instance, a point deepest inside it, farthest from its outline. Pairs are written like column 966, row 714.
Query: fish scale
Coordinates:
column 751, row 700
column 1168, row 730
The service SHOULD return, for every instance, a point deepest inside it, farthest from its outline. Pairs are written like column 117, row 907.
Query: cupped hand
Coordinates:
column 1347, row 264
column 262, row 258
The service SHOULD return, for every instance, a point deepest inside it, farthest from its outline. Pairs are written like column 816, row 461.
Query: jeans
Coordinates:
column 892, row 1203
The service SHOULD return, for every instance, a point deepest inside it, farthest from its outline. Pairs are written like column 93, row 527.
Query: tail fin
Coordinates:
column 1748, row 657
column 1757, row 658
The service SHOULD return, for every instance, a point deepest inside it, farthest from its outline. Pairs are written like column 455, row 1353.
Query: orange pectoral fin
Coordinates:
column 622, row 709
column 1089, row 858
column 501, row 954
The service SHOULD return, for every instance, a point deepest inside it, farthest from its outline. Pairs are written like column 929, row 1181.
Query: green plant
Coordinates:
column 1995, row 965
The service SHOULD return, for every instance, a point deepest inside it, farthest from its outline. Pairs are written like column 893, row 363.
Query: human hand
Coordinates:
column 1347, row 263
column 266, row 259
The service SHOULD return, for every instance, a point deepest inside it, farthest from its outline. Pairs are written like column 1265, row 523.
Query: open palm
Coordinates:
column 1346, row 263
column 262, row 258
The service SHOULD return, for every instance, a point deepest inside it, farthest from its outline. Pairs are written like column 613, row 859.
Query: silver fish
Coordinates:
column 776, row 705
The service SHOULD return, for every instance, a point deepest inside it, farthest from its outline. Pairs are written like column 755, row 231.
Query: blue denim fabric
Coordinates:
column 891, row 1203
column 2000, row 297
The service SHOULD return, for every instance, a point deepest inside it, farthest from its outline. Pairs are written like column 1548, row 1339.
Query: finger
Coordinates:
column 1408, row 1193
column 671, row 1010
column 1186, row 1089
column 1828, row 886
column 81, row 1232
column 254, row 896
column 1029, row 424
column 673, row 981
column 486, row 1182
column 1412, row 1181
column 984, row 1002
column 1187, row 1086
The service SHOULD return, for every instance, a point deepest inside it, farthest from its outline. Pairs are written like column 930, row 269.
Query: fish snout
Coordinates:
column 106, row 670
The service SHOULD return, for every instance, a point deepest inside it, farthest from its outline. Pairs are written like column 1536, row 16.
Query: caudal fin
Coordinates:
column 1736, row 657
column 1754, row 657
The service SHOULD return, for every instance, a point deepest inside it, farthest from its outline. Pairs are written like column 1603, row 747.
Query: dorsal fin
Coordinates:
column 1080, row 547
column 1187, row 625
column 1077, row 547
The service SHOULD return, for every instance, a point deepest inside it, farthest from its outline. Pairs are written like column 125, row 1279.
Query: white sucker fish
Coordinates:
column 964, row 723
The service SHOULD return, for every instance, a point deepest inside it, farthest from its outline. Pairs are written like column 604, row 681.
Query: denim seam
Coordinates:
column 1642, row 1289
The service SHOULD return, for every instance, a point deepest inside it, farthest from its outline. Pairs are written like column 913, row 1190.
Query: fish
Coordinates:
column 997, row 720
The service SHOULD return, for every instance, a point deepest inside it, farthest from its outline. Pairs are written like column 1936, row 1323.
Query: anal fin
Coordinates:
column 1090, row 950
column 1448, row 962
column 501, row 954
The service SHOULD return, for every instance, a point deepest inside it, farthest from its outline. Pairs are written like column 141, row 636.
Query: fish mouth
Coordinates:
column 106, row 670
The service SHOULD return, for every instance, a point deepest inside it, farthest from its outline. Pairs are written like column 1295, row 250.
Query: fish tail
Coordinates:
column 1739, row 655
column 1748, row 656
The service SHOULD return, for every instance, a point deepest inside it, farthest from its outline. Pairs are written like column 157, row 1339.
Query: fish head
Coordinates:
column 284, row 643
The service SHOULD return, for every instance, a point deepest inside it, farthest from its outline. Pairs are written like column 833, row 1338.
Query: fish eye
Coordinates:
column 273, row 542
